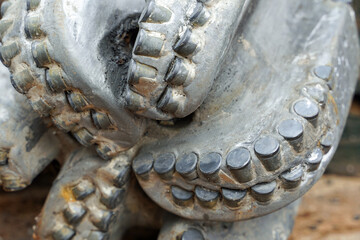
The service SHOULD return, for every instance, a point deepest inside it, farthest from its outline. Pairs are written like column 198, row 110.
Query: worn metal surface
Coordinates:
column 67, row 79
column 307, row 78
column 261, row 134
column 183, row 68
column 27, row 145
column 87, row 199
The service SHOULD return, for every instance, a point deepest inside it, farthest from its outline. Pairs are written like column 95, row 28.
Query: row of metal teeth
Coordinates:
column 24, row 81
column 75, row 212
column 144, row 80
column 110, row 195
column 238, row 161
column 261, row 192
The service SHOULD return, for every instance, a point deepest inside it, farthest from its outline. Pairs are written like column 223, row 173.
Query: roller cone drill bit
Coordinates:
column 205, row 119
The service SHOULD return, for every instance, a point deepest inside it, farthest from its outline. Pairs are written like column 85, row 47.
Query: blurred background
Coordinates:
column 330, row 210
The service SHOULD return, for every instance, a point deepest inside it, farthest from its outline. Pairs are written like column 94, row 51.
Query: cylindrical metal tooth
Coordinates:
column 186, row 44
column 327, row 141
column 4, row 156
column 64, row 233
column 307, row 109
column 118, row 173
column 41, row 107
column 54, row 79
column 206, row 197
column 104, row 151
column 8, row 52
column 74, row 212
column 143, row 164
column 313, row 159
column 134, row 101
column 267, row 149
column 155, row 14
column 192, row 234
column 62, row 122
column 209, row 166
column 171, row 100
column 12, row 182
column 178, row 72
column 84, row 137
column 292, row 178
column 40, row 54
column 83, row 189
column 182, row 197
column 186, row 166
column 324, row 72
column 239, row 163
column 263, row 192
column 111, row 196
column 33, row 26
column 138, row 71
column 292, row 130
column 101, row 120
column 142, row 79
column 122, row 175
column 147, row 44
column 4, row 7
column 200, row 15
column 101, row 219
column 97, row 235
column 4, row 26
column 164, row 165
column 77, row 101
column 32, row 4
column 232, row 198
column 22, row 81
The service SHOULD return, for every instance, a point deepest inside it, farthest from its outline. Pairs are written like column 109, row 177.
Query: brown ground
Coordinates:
column 18, row 211
column 330, row 210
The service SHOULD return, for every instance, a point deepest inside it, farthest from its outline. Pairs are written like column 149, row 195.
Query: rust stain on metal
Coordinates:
column 67, row 194
column 336, row 110
column 226, row 178
column 146, row 86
